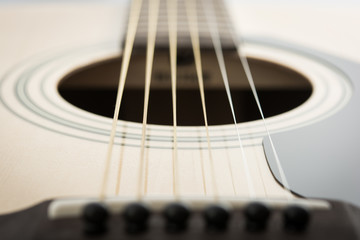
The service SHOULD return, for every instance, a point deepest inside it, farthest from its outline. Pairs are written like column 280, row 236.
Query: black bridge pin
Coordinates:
column 95, row 216
column 136, row 216
column 216, row 217
column 296, row 218
column 176, row 215
column 257, row 215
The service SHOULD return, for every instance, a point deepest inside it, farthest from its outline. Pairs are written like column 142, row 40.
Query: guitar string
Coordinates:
column 172, row 24
column 239, row 43
column 253, row 89
column 119, row 170
column 211, row 19
column 129, row 43
column 191, row 9
column 152, row 28
column 261, row 175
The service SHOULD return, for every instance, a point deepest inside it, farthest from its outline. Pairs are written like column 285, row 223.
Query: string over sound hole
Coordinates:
column 93, row 88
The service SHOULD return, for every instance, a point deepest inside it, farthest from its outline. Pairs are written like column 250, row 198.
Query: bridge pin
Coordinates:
column 296, row 218
column 136, row 216
column 216, row 217
column 176, row 215
column 256, row 215
column 95, row 216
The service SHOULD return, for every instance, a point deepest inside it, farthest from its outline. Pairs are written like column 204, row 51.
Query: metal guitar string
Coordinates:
column 215, row 37
column 152, row 27
column 191, row 9
column 172, row 24
column 239, row 42
column 129, row 43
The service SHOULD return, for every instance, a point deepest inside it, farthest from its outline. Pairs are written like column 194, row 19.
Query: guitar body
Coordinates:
column 52, row 149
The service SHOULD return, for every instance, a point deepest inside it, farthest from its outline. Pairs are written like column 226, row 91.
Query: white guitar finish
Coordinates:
column 51, row 149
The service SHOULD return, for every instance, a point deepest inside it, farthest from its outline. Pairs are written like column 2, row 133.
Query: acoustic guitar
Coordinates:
column 206, row 120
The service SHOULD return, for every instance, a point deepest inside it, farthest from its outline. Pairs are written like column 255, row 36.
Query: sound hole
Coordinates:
column 93, row 88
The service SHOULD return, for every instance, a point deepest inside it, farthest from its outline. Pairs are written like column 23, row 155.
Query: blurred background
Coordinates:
column 243, row 1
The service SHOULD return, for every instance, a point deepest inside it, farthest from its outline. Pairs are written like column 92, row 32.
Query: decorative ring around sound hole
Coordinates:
column 31, row 91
